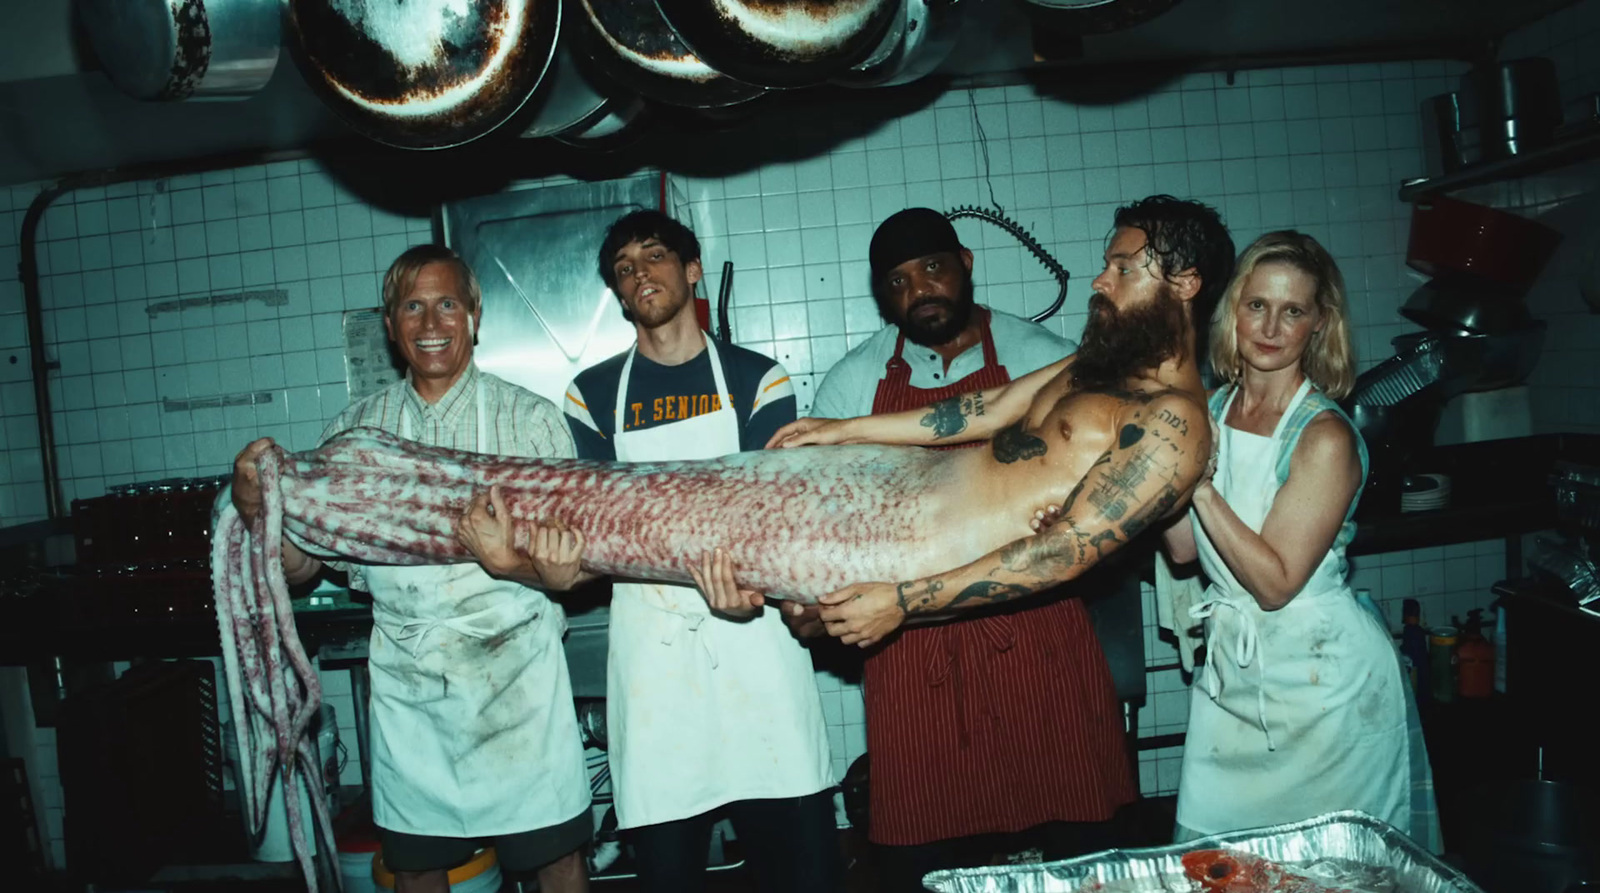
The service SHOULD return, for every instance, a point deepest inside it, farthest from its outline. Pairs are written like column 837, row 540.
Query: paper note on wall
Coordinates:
column 369, row 364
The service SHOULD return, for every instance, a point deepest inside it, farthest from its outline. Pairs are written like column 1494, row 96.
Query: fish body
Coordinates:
column 1234, row 871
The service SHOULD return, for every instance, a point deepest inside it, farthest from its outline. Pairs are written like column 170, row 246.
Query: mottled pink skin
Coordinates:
column 798, row 523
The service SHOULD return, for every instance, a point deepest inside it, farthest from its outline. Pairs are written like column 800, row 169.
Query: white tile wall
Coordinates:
column 1320, row 149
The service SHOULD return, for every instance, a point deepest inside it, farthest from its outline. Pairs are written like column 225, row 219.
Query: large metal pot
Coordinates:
column 630, row 42
column 182, row 49
column 1509, row 108
column 424, row 74
column 781, row 43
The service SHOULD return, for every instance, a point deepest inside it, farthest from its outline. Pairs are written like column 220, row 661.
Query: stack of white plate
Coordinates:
column 1425, row 492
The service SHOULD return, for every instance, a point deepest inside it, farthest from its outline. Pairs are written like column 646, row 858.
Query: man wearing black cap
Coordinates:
column 954, row 344
column 1007, row 720
column 1042, row 663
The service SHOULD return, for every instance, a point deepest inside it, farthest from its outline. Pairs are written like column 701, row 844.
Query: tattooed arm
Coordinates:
column 1149, row 470
column 975, row 415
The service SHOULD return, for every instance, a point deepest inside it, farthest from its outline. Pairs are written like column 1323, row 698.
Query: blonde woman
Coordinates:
column 1299, row 709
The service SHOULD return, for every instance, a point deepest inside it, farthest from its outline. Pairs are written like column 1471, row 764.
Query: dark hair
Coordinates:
column 1181, row 234
column 639, row 226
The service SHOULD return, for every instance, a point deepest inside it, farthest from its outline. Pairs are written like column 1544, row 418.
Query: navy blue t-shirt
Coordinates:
column 763, row 397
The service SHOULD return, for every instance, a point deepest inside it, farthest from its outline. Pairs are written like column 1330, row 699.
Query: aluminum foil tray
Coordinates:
column 1387, row 861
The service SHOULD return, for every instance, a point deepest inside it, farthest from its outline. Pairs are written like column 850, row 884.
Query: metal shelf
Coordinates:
column 1553, row 156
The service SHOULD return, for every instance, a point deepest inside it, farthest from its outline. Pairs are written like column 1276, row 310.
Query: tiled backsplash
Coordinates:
column 144, row 374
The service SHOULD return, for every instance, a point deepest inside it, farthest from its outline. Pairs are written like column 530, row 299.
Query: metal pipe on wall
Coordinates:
column 33, row 300
column 33, row 310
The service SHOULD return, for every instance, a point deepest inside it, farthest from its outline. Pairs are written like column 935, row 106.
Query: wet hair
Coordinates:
column 1181, row 235
column 639, row 226
column 402, row 275
column 1329, row 360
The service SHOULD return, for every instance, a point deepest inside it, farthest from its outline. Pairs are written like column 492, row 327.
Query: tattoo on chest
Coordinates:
column 1014, row 443
column 949, row 417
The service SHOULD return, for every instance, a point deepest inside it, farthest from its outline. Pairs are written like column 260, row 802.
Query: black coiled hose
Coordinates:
column 1022, row 235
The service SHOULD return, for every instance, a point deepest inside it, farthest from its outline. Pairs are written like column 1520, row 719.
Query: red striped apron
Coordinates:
column 993, row 724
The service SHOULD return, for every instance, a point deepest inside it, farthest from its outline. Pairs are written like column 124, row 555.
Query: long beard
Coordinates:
column 943, row 328
column 1118, row 344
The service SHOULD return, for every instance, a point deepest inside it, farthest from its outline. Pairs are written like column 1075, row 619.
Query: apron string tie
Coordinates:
column 1245, row 654
column 412, row 633
column 689, row 624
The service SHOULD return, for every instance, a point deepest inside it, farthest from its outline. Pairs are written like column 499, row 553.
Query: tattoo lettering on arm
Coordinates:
column 1174, row 421
column 1013, row 444
column 949, row 417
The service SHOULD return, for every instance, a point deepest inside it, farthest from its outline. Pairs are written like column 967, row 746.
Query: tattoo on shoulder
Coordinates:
column 1014, row 443
column 1174, row 421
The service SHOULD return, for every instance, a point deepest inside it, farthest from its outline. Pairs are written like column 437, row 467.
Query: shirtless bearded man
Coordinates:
column 1117, row 435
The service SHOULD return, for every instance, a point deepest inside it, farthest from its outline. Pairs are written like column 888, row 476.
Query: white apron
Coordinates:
column 1298, row 711
column 473, row 728
column 703, row 710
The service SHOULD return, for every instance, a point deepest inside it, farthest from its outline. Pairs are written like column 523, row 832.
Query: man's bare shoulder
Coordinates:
column 1168, row 424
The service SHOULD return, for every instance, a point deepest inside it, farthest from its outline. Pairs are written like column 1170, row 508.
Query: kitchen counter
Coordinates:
column 1499, row 489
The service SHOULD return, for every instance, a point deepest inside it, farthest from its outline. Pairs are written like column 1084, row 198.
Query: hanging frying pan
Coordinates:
column 918, row 41
column 424, row 74
column 781, row 43
column 630, row 42
column 183, row 49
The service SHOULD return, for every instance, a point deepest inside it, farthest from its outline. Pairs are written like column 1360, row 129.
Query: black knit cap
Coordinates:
column 908, row 235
